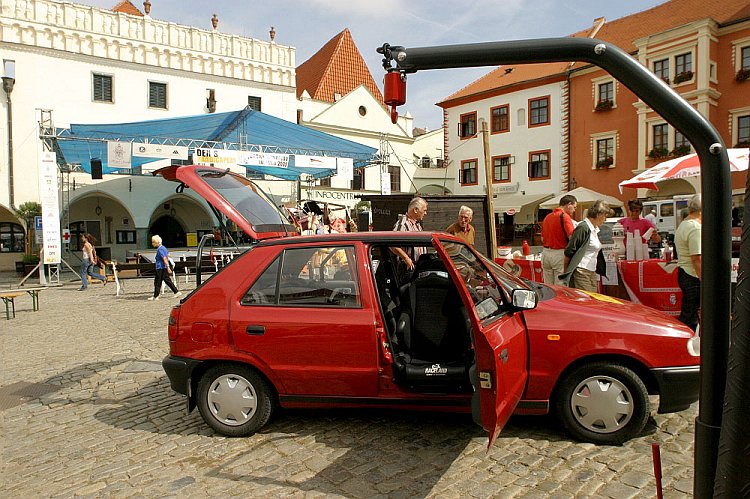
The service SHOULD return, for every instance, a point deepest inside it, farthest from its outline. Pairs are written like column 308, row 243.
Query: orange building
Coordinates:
column 701, row 49
column 697, row 47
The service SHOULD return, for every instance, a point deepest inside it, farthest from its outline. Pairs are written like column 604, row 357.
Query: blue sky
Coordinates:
column 307, row 25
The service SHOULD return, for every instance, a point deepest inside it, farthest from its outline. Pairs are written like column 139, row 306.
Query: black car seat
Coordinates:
column 433, row 330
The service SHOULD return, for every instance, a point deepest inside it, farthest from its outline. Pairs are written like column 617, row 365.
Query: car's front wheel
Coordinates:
column 234, row 400
column 603, row 403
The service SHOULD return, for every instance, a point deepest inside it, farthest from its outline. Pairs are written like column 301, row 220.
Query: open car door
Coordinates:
column 500, row 372
column 237, row 197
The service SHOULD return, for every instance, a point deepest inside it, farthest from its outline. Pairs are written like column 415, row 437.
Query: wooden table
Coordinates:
column 9, row 299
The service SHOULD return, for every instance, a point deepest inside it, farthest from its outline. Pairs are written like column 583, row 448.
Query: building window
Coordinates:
column 324, row 182
column 607, row 92
column 253, row 102
column 681, row 144
column 395, row 173
column 468, row 172
column 125, row 237
column 11, row 237
column 501, row 169
column 661, row 69
column 605, row 152
column 659, row 141
column 743, row 131
column 683, row 68
column 745, row 58
column 538, row 165
column 157, row 95
column 102, row 88
column 539, row 111
column 468, row 126
column 425, row 162
column 500, row 117
column 358, row 181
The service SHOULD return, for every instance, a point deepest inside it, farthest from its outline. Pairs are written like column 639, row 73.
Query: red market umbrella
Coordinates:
column 684, row 166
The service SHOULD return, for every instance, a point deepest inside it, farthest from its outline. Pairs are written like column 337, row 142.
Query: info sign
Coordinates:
column 48, row 194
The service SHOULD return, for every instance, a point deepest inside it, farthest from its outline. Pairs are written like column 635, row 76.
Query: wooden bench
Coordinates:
column 9, row 299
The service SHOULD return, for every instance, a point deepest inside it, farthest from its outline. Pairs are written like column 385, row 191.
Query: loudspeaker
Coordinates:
column 96, row 169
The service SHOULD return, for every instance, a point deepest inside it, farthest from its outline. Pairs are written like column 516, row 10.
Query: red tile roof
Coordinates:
column 621, row 32
column 126, row 7
column 337, row 68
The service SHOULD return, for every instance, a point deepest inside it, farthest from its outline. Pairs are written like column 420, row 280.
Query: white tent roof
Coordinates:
column 583, row 195
column 505, row 202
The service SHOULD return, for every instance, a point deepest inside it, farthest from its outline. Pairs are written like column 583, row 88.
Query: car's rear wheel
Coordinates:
column 234, row 400
column 603, row 403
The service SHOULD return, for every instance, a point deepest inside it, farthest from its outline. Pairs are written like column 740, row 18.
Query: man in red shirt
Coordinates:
column 556, row 230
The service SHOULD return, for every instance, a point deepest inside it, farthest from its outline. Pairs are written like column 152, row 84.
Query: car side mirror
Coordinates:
column 523, row 299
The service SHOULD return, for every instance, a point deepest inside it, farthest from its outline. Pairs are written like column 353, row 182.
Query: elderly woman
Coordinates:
column 583, row 256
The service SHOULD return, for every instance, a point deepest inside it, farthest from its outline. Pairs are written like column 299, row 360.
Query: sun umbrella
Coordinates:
column 684, row 166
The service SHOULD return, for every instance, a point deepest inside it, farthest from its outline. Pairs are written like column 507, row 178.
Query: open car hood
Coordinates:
column 237, row 197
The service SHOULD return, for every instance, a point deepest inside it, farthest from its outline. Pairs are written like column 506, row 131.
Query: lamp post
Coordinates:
column 8, row 82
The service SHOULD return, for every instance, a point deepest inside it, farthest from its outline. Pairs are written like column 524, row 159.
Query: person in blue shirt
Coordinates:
column 163, row 269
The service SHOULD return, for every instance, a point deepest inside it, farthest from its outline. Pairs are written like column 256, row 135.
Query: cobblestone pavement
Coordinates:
column 87, row 411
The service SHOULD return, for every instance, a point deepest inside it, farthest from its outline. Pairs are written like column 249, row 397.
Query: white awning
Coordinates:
column 583, row 196
column 517, row 202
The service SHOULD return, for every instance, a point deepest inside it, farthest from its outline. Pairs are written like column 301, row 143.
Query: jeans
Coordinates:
column 691, row 298
column 86, row 270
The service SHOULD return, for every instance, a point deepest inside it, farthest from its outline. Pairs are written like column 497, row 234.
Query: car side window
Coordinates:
column 484, row 291
column 309, row 277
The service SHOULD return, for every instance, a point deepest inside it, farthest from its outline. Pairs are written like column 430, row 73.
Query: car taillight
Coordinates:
column 174, row 317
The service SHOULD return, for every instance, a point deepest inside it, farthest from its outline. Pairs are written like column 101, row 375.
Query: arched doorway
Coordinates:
column 171, row 231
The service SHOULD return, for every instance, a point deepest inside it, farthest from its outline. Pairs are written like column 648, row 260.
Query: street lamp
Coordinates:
column 9, row 81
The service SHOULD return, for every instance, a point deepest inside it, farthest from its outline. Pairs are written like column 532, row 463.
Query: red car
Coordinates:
column 339, row 321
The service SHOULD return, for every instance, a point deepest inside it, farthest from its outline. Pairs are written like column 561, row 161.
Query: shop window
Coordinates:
column 12, row 237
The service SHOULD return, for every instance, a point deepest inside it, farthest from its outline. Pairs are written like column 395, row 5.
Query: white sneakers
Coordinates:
column 176, row 295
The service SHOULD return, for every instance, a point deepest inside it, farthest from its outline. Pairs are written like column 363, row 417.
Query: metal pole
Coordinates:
column 490, row 194
column 715, row 182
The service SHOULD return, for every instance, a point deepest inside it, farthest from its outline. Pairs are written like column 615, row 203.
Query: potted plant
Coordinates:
column 658, row 152
column 683, row 76
column 744, row 143
column 605, row 162
column 680, row 151
column 603, row 105
column 742, row 75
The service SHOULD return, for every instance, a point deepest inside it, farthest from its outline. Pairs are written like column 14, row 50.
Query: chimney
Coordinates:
column 598, row 23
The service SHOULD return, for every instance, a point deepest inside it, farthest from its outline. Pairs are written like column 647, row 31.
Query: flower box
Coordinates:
column 680, row 151
column 603, row 105
column 658, row 153
column 605, row 163
column 742, row 75
column 682, row 77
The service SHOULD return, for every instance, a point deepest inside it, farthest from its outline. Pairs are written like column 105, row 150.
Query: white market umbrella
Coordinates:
column 583, row 196
column 684, row 166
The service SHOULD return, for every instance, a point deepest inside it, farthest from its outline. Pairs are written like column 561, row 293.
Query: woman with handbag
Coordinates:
column 88, row 261
column 583, row 256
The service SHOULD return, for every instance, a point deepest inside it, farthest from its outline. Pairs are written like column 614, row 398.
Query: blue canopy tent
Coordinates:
column 246, row 129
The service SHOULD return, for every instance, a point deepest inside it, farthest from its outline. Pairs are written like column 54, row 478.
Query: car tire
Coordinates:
column 234, row 400
column 603, row 403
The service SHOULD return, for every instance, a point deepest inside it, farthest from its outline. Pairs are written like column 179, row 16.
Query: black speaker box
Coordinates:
column 96, row 169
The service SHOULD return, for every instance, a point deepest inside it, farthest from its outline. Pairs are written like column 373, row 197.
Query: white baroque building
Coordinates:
column 90, row 65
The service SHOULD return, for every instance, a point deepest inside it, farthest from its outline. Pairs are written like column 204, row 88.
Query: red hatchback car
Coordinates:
column 338, row 321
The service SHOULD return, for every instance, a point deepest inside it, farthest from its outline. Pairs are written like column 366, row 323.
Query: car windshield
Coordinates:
column 247, row 198
column 484, row 290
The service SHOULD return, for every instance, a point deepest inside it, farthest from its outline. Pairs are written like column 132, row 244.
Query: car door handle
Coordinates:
column 255, row 330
